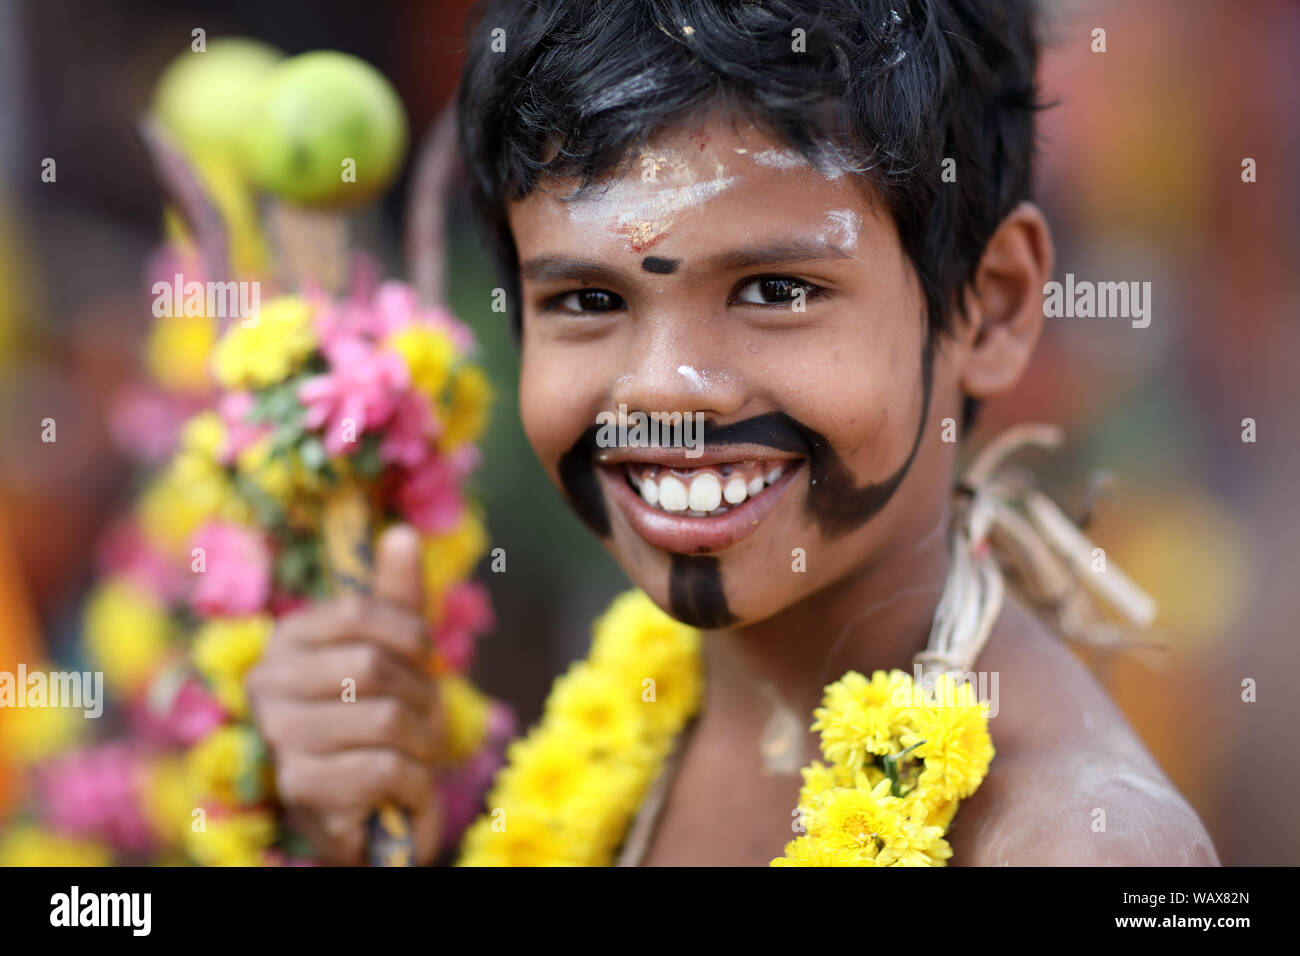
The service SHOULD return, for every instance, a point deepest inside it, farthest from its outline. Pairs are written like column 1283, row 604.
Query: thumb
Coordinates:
column 397, row 568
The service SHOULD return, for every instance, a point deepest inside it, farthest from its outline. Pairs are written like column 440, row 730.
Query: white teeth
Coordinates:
column 672, row 494
column 701, row 491
column 650, row 491
column 706, row 492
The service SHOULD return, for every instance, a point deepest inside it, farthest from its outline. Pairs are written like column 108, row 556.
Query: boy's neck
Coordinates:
column 874, row 619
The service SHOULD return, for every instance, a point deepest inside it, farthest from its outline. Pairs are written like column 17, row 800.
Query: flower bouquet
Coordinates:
column 288, row 435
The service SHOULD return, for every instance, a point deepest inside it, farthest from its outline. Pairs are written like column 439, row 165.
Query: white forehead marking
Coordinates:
column 793, row 159
column 780, row 158
column 643, row 217
column 843, row 225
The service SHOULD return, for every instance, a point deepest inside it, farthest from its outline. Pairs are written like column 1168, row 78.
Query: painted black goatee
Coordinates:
column 695, row 593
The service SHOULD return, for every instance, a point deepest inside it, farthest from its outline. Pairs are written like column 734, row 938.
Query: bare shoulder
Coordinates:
column 1071, row 783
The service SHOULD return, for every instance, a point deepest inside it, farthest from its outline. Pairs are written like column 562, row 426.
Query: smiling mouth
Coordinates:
column 698, row 509
column 703, row 492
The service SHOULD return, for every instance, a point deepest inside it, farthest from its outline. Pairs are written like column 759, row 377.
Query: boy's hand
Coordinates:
column 336, row 761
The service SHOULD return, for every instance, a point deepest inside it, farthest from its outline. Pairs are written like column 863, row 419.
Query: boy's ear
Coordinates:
column 1004, row 304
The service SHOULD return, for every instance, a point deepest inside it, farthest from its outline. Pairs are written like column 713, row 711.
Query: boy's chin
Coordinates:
column 708, row 607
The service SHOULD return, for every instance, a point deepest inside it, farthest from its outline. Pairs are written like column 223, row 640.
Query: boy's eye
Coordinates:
column 590, row 300
column 775, row 290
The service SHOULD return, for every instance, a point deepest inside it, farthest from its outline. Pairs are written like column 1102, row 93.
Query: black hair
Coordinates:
column 888, row 89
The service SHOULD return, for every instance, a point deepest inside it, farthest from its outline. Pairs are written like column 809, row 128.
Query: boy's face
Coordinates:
column 678, row 289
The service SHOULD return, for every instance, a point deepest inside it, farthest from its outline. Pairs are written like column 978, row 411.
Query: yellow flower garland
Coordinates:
column 898, row 758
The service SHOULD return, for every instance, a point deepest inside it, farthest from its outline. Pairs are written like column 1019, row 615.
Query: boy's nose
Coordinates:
column 679, row 374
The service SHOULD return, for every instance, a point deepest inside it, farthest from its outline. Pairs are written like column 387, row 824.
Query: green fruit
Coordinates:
column 326, row 117
column 204, row 100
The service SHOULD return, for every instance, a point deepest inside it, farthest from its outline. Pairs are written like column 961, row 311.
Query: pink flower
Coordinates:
column 411, row 432
column 395, row 307
column 240, row 432
column 462, row 788
column 459, row 332
column 363, row 386
column 283, row 603
column 429, row 495
column 236, row 575
column 466, row 613
column 178, row 710
column 96, row 793
column 125, row 552
column 392, row 308
column 145, row 422
column 398, row 308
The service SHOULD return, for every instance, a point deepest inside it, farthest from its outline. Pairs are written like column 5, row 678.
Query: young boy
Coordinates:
column 810, row 223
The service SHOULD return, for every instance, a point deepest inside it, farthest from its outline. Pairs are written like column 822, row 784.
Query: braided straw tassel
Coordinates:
column 1008, row 535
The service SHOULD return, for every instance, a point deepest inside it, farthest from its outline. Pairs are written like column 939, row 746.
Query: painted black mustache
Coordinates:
column 834, row 502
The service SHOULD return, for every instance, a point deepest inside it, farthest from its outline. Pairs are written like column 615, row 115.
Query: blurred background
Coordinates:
column 1141, row 178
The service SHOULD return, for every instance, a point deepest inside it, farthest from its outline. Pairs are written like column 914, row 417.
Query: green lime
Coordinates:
column 204, row 100
column 329, row 130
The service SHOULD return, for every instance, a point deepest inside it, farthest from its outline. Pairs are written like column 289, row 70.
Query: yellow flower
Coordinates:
column 819, row 779
column 465, row 416
column 543, row 772
column 270, row 475
column 804, row 851
column 957, row 748
column 450, row 557
column 856, row 717
column 926, row 805
column 596, row 816
column 429, row 355
column 191, row 490
column 225, row 649
column 296, row 489
column 465, row 716
column 270, row 349
column 870, row 823
column 167, row 800
column 222, row 762
column 514, row 836
column 237, row 839
column 30, row 734
column 28, row 845
column 127, row 634
column 654, row 658
column 204, row 436
column 594, row 711
column 178, row 351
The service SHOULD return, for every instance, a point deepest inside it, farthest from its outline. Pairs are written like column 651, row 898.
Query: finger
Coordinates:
column 426, row 826
column 338, row 837
column 319, row 674
column 398, row 575
column 353, row 780
column 354, row 617
column 332, row 727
